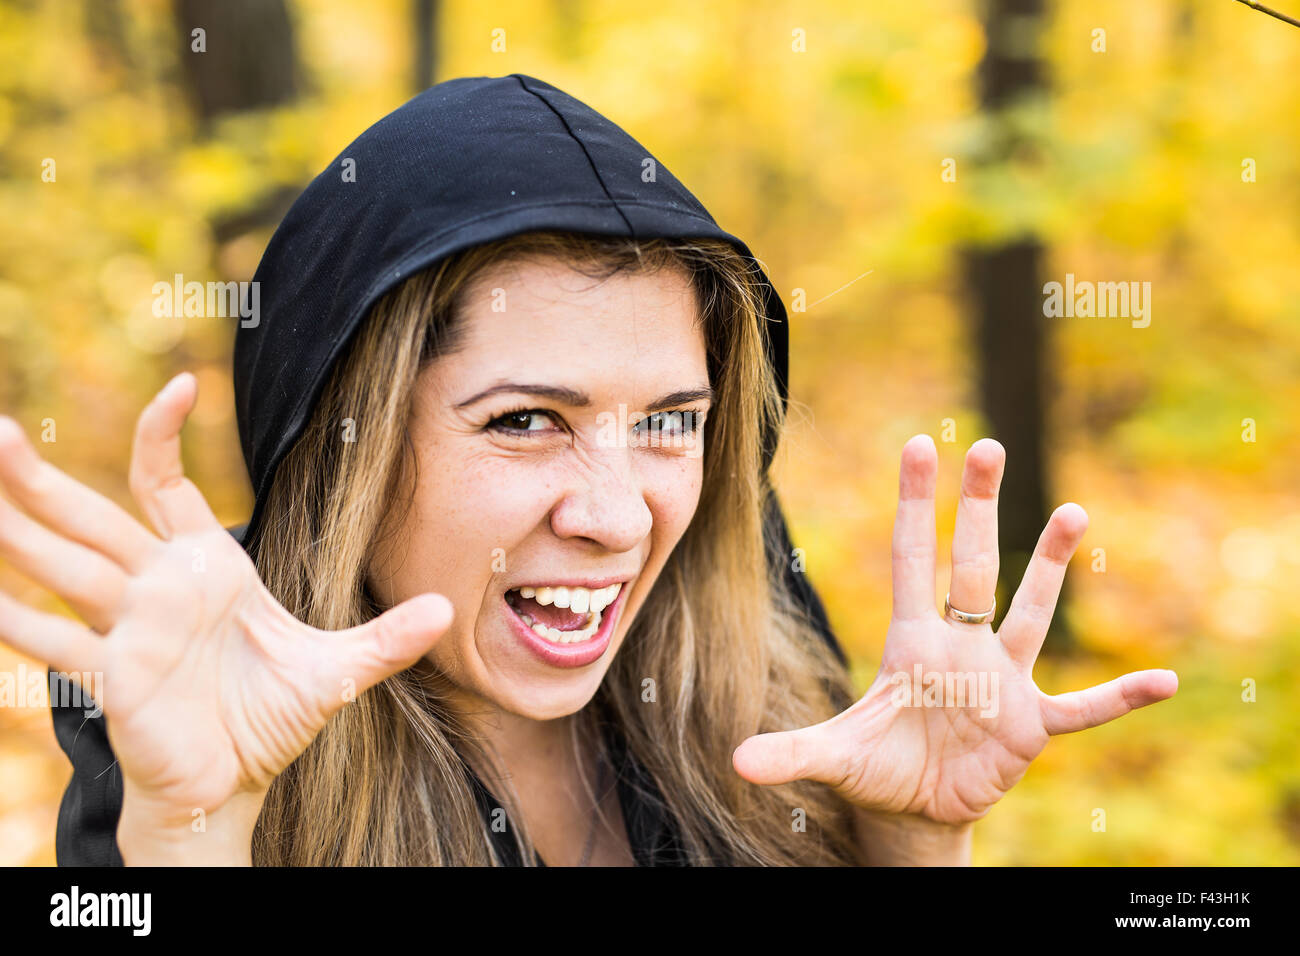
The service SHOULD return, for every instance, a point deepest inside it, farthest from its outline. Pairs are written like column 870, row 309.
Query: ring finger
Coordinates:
column 90, row 583
column 975, row 537
column 68, row 507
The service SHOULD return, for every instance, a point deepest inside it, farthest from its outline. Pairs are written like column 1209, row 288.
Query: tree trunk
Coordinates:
column 1009, row 331
column 248, row 61
column 425, row 17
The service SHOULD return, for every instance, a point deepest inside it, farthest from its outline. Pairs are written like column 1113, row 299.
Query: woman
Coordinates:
column 515, row 588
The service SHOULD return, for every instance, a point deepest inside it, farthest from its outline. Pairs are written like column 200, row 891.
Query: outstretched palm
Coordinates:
column 210, row 687
column 953, row 718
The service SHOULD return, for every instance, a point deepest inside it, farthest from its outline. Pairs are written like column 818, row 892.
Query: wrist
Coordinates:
column 909, row 839
column 153, row 835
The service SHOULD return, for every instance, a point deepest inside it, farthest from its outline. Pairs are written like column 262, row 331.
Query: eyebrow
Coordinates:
column 578, row 399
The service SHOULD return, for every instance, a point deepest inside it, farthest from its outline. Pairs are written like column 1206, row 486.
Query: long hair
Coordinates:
column 387, row 781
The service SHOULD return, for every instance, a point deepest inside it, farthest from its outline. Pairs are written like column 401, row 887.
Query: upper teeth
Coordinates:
column 580, row 600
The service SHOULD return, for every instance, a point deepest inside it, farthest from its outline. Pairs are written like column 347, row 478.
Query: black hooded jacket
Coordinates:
column 468, row 161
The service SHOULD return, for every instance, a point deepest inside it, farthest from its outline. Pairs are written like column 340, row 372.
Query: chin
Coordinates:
column 535, row 705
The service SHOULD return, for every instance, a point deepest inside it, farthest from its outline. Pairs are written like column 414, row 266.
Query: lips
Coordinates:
column 584, row 636
column 561, row 614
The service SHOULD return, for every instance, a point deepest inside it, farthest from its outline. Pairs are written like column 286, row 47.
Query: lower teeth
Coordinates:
column 556, row 636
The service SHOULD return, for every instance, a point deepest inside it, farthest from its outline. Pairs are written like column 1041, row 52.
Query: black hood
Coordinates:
column 468, row 161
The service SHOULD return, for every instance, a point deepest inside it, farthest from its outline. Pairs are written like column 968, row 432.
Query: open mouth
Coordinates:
column 562, row 615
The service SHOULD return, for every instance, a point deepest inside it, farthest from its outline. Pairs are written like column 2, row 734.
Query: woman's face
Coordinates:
column 536, row 471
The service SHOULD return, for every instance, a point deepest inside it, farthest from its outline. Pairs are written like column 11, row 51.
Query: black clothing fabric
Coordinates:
column 468, row 161
column 651, row 831
column 86, row 833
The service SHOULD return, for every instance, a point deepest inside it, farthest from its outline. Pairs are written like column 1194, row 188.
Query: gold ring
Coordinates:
column 964, row 617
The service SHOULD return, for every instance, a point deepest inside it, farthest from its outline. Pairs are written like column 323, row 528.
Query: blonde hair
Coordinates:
column 387, row 780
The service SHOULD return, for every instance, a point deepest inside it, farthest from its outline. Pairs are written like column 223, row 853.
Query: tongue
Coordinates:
column 560, row 618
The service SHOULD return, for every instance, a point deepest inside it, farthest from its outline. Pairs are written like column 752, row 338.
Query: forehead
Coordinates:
column 541, row 316
column 548, row 292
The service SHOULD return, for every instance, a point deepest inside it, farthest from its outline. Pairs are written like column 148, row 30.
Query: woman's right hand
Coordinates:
column 210, row 687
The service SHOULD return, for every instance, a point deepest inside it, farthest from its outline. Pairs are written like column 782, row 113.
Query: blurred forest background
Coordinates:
column 919, row 171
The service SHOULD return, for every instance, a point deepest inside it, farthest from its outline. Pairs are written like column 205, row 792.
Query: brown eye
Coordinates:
column 521, row 421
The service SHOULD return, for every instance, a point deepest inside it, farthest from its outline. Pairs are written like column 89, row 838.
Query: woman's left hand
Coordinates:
column 903, row 750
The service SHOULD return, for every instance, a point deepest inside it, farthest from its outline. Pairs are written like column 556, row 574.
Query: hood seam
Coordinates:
column 583, row 146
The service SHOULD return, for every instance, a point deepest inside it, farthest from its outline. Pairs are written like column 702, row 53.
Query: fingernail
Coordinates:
column 170, row 387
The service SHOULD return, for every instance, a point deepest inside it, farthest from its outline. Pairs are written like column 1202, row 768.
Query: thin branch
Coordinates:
column 1272, row 13
column 840, row 289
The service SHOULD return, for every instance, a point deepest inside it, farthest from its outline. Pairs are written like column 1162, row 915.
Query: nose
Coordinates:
column 605, row 503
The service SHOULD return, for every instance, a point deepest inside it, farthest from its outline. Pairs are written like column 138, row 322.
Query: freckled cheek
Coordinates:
column 673, row 497
column 482, row 509
column 470, row 522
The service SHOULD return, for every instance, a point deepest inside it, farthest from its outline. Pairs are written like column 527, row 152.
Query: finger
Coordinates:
column 975, row 537
column 805, row 754
column 1025, row 626
column 67, row 506
column 380, row 648
column 170, row 500
column 914, row 530
column 61, row 643
column 88, row 581
column 1081, row 709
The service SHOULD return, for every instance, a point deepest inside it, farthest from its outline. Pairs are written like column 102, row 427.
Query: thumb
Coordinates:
column 393, row 641
column 775, row 758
